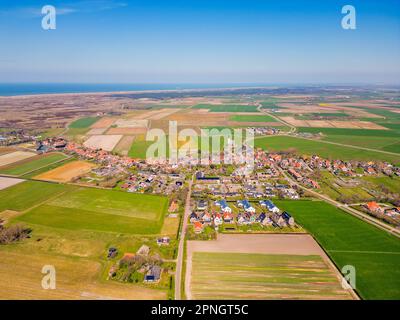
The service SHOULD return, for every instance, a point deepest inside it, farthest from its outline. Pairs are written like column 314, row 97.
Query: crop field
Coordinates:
column 84, row 122
column 8, row 182
column 374, row 253
column 139, row 148
column 27, row 194
column 76, row 278
column 350, row 132
column 9, row 158
column 263, row 276
column 380, row 143
column 33, row 164
column 326, row 150
column 101, row 210
column 227, row 107
column 105, row 142
column 66, row 172
column 252, row 118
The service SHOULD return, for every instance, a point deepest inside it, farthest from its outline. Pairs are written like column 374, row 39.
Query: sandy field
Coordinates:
column 333, row 124
column 67, row 172
column 8, row 182
column 132, row 123
column 105, row 142
column 124, row 145
column 16, row 156
column 96, row 131
column 103, row 123
column 126, row 131
column 156, row 114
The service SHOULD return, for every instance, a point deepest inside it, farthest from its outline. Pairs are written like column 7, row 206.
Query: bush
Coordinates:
column 13, row 233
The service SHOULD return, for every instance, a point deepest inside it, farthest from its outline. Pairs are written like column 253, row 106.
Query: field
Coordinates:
column 27, row 194
column 9, row 158
column 227, row 107
column 354, row 124
column 105, row 142
column 124, row 145
column 101, row 210
column 66, row 172
column 326, row 150
column 139, row 148
column 252, row 118
column 349, row 241
column 33, row 164
column 263, row 276
column 8, row 182
column 83, row 123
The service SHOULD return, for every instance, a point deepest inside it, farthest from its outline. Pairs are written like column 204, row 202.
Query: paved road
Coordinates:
column 179, row 260
column 354, row 212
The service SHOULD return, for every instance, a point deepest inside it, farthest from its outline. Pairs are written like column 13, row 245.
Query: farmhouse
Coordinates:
column 154, row 274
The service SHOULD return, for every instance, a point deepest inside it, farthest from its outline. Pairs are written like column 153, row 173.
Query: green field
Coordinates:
column 226, row 107
column 350, row 132
column 29, row 193
column 350, row 241
column 380, row 143
column 392, row 184
column 139, row 148
column 252, row 118
column 101, row 210
column 26, row 167
column 326, row 150
column 262, row 276
column 83, row 122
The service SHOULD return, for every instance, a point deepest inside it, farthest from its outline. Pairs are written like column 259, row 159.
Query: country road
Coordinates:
column 363, row 216
column 182, row 236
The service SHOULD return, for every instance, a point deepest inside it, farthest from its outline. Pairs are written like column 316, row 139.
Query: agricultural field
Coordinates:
column 326, row 150
column 83, row 122
column 33, row 164
column 227, row 107
column 105, row 142
column 8, row 182
column 13, row 157
column 101, row 210
column 252, row 118
column 263, row 276
column 66, row 172
column 350, row 241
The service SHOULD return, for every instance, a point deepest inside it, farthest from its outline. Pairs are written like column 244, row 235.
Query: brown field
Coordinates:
column 131, row 123
column 105, row 142
column 103, row 123
column 4, row 150
column 9, row 158
column 124, row 145
column 170, row 227
column 8, row 182
column 126, row 131
column 20, row 278
column 333, row 124
column 316, row 276
column 67, row 172
column 96, row 131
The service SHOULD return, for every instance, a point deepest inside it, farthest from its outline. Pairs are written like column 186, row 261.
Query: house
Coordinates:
column 206, row 218
column 288, row 218
column 202, row 205
column 153, row 275
column 228, row 217
column 218, row 219
column 224, row 206
column 271, row 207
column 174, row 206
column 164, row 241
column 261, row 217
column 198, row 227
column 278, row 220
column 246, row 206
column 374, row 207
column 193, row 217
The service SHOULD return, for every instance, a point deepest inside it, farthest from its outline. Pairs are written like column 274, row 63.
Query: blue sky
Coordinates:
column 200, row 41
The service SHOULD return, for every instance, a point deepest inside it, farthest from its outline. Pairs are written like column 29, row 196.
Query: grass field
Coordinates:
column 83, row 122
column 393, row 184
column 226, row 107
column 262, row 276
column 380, row 143
column 350, row 132
column 29, row 193
column 326, row 150
column 349, row 241
column 139, row 148
column 34, row 164
column 252, row 118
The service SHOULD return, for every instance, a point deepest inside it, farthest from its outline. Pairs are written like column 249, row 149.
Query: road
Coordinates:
column 363, row 216
column 182, row 236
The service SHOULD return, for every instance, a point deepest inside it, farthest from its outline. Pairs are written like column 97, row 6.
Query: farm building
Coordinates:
column 153, row 275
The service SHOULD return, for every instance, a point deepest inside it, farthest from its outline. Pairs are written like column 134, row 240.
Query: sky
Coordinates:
column 200, row 41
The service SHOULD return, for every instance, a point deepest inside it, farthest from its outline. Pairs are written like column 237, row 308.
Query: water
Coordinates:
column 16, row 89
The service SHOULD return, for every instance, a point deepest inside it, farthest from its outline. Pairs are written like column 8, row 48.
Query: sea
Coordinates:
column 17, row 89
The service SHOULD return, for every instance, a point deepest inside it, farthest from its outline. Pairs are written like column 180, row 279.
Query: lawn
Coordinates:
column 31, row 165
column 326, row 150
column 350, row 241
column 262, row 276
column 101, row 210
column 83, row 122
column 252, row 118
column 29, row 193
column 227, row 107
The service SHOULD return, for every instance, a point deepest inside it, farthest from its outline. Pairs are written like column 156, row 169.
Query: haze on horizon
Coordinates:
column 200, row 41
